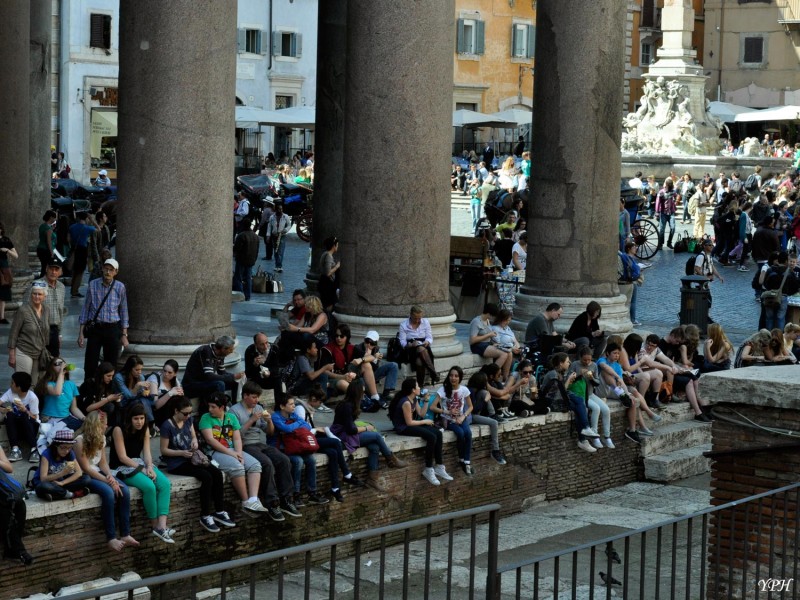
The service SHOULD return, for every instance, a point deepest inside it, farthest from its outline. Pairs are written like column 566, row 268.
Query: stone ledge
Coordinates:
column 754, row 386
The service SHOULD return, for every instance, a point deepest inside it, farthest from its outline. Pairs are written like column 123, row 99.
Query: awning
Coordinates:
column 519, row 116
column 778, row 113
column 250, row 117
column 727, row 112
column 469, row 118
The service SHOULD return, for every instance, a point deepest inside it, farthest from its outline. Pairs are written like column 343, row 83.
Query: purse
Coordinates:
column 259, row 284
column 199, row 459
column 300, row 441
column 6, row 276
column 682, row 245
column 774, row 297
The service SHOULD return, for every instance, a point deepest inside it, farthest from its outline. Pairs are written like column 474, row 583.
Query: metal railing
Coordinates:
column 737, row 550
column 279, row 563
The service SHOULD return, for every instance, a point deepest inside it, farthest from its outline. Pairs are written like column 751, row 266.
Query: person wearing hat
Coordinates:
column 704, row 266
column 59, row 475
column 106, row 312
column 53, row 302
column 368, row 356
column 102, row 179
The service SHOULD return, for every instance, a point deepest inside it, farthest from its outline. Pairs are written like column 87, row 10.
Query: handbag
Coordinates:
column 774, row 297
column 259, row 284
column 199, row 459
column 300, row 441
column 682, row 245
column 691, row 245
column 6, row 276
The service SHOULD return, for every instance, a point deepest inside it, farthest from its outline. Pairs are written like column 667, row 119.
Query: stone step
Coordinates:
column 675, row 436
column 675, row 412
column 678, row 464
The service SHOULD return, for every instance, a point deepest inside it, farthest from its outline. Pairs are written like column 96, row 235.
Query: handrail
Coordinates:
column 629, row 534
column 158, row 580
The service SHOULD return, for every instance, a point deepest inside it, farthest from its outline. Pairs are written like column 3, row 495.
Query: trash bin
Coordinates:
column 694, row 301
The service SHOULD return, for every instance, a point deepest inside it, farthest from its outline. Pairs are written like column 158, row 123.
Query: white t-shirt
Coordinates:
column 30, row 401
column 522, row 254
column 704, row 262
column 456, row 403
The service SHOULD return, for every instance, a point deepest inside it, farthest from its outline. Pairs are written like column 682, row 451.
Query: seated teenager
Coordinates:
column 585, row 329
column 60, row 395
column 407, row 418
column 178, row 445
column 501, row 392
column 791, row 332
column 59, row 475
column 164, row 386
column 554, row 389
column 90, row 449
column 583, row 386
column 525, row 399
column 483, row 339
column 98, row 394
column 374, row 368
column 455, row 407
column 781, row 354
column 314, row 324
column 675, row 357
column 134, row 389
column 755, row 350
column 506, row 340
column 481, row 405
column 340, row 353
column 640, row 366
column 308, row 371
column 12, row 519
column 21, row 409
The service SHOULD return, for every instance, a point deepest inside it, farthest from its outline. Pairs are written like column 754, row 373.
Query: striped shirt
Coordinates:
column 115, row 307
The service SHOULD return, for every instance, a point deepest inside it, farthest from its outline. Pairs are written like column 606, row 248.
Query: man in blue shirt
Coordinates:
column 79, row 234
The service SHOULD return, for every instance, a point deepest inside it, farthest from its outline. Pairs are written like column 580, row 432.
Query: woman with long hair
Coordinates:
column 456, row 409
column 164, row 385
column 130, row 456
column 717, row 350
column 406, row 414
column 134, row 389
column 483, row 411
column 355, row 434
column 314, row 325
column 98, row 394
column 60, row 395
column 114, row 495
column 329, row 274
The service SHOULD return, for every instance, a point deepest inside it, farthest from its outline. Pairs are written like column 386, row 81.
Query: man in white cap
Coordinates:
column 374, row 368
column 104, row 319
column 102, row 179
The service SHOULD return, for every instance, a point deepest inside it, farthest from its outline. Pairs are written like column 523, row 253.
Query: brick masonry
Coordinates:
column 544, row 464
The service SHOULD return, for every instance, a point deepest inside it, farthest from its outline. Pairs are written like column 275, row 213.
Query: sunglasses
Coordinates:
column 339, row 335
column 188, row 414
column 527, row 372
column 369, row 341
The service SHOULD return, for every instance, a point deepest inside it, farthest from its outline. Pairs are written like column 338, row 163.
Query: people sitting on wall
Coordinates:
column 206, row 373
column 483, row 412
column 20, row 407
column 755, row 350
column 541, row 329
column 454, row 407
column 261, row 364
column 506, row 339
column 501, row 390
column 374, row 368
column 583, row 385
column 585, row 329
column 483, row 339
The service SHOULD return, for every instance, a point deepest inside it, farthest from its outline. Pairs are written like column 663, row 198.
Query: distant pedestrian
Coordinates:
column 245, row 254
column 277, row 228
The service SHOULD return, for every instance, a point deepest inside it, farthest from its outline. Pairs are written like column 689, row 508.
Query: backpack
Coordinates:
column 751, row 183
column 11, row 490
column 394, row 350
column 369, row 405
column 690, row 263
column 736, row 186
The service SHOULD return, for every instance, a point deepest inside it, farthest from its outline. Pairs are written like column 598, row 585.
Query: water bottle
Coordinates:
column 69, row 367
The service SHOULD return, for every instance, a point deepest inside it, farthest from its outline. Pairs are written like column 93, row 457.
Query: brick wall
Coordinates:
column 544, row 464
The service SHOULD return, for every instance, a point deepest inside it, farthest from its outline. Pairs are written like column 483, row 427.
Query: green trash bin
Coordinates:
column 695, row 297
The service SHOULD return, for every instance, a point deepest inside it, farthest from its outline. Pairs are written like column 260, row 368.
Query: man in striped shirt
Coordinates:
column 106, row 309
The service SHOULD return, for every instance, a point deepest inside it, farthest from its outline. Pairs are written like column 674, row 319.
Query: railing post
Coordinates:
column 492, row 576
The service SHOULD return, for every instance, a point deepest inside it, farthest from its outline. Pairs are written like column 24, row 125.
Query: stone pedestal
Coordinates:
column 573, row 212
column 14, row 125
column 395, row 237
column 676, row 55
column 175, row 216
column 329, row 135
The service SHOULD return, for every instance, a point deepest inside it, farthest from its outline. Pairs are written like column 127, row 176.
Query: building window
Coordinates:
column 646, row 56
column 252, row 41
column 100, row 31
column 285, row 43
column 753, row 50
column 283, row 102
column 469, row 38
column 523, row 40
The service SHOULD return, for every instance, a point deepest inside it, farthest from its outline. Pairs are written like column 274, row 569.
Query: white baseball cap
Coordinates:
column 372, row 335
column 113, row 263
column 103, row 172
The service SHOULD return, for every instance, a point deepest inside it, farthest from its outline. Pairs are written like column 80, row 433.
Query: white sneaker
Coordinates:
column 597, row 443
column 442, row 473
column 428, row 474
column 589, row 433
column 609, row 443
column 586, row 446
column 324, row 409
column 253, row 505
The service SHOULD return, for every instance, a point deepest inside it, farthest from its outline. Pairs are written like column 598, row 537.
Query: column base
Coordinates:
column 155, row 355
column 615, row 317
column 444, row 334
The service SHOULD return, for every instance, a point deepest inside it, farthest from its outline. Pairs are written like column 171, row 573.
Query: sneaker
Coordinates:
column 467, row 468
column 497, row 417
column 315, row 498
column 163, row 535
column 337, row 495
column 34, row 457
column 324, row 409
column 288, row 508
column 743, row 269
column 609, row 443
column 68, row 495
column 442, row 473
column 15, row 454
column 633, row 436
column 524, row 413
column 597, row 443
column 170, row 531
column 298, row 501
column 222, row 518
column 656, row 418
column 636, row 323
column 25, row 558
column 508, row 416
column 586, row 446
column 429, row 474
column 498, row 456
column 702, row 418
column 208, row 523
column 275, row 513
column 254, row 505
column 279, row 269
column 354, row 481
column 645, row 432
column 589, row 433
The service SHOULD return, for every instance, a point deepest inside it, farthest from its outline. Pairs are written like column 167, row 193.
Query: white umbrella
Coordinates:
column 519, row 116
column 471, row 119
column 778, row 113
column 249, row 117
column 296, row 117
column 727, row 112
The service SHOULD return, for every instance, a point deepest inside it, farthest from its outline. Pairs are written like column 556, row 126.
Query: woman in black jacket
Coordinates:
column 585, row 329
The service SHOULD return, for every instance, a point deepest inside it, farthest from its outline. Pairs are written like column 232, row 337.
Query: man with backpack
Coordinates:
column 752, row 185
column 704, row 266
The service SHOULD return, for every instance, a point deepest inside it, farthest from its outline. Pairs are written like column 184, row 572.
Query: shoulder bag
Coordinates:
column 300, row 441
column 89, row 326
column 775, row 297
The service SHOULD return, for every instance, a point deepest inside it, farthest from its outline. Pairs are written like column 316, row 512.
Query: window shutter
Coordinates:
column 96, row 31
column 753, row 50
column 479, row 26
column 297, row 41
column 531, row 41
column 514, row 35
column 460, row 37
column 277, row 39
column 262, row 49
column 241, row 40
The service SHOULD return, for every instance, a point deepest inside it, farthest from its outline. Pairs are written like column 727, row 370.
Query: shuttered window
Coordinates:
column 523, row 40
column 753, row 50
column 470, row 36
column 252, row 41
column 100, row 31
column 285, row 43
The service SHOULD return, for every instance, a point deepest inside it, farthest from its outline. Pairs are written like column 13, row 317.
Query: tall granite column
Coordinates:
column 39, row 173
column 395, row 238
column 14, row 124
column 329, row 132
column 176, row 122
column 572, row 225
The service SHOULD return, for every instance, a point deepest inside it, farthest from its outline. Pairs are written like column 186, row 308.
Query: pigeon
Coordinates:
column 606, row 578
column 612, row 554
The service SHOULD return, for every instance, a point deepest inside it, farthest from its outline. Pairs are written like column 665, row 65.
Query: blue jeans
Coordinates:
column 664, row 220
column 110, row 502
column 242, row 279
column 279, row 253
column 578, row 406
column 463, row 439
column 389, row 370
column 634, row 293
column 297, row 472
column 375, row 444
column 775, row 316
column 475, row 207
column 332, row 448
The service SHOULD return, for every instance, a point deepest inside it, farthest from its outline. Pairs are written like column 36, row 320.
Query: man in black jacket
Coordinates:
column 205, row 372
column 261, row 364
column 245, row 254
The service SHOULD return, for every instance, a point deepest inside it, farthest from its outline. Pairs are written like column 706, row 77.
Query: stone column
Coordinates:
column 396, row 211
column 39, row 173
column 176, row 122
column 572, row 225
column 15, row 125
column 329, row 132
